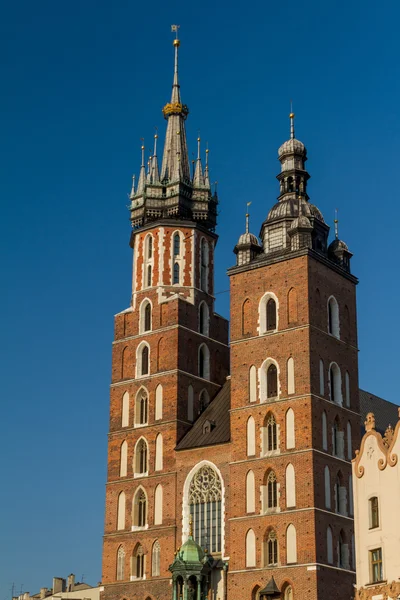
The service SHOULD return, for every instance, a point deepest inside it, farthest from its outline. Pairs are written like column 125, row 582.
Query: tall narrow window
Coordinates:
column 251, row 437
column 204, row 401
column 321, row 378
column 121, row 512
column 375, row 564
column 204, row 362
column 272, row 381
column 140, row 509
column 272, row 549
column 291, row 545
column 138, row 563
column 125, row 410
column 343, row 551
column 205, row 497
column 272, row 491
column 324, row 431
column 123, row 465
column 253, row 384
column 349, row 442
column 149, row 240
column 373, row 512
column 155, row 559
column 203, row 318
column 290, row 375
column 250, row 549
column 292, row 306
column 158, row 505
column 148, row 275
column 121, row 564
column 159, row 452
column 271, row 315
column 347, row 388
column 147, row 317
column 145, row 361
column 333, row 317
column 176, row 273
column 250, row 493
column 327, row 484
column 272, row 438
column 141, row 407
column 204, row 265
column 290, row 487
column 159, row 402
column 177, row 244
column 290, row 430
column 329, row 546
column 141, row 457
column 335, row 384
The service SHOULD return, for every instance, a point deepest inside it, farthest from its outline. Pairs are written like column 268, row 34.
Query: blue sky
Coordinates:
column 82, row 82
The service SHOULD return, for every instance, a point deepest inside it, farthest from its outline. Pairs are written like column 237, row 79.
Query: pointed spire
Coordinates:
column 336, row 222
column 291, row 117
column 206, row 172
column 142, row 176
column 198, row 174
column 247, row 217
column 133, row 186
column 175, row 96
column 155, row 174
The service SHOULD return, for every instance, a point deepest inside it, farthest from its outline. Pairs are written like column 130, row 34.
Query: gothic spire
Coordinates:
column 142, row 176
column 175, row 163
column 198, row 173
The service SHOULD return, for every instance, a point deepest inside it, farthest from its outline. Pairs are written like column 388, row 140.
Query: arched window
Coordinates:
column 203, row 318
column 159, row 402
column 271, row 434
column 271, row 315
column 251, row 437
column 139, row 517
column 246, row 317
column 337, row 439
column 253, row 384
column 125, row 410
column 290, row 487
column 124, row 363
column 373, row 512
column 141, row 457
column 349, row 443
column 324, row 431
column 143, row 360
column 190, row 411
column 158, row 505
column 327, row 483
column 141, row 407
column 333, row 317
column 149, row 276
column 250, row 549
column 250, row 493
column 291, row 545
column 268, row 313
column 272, row 491
column 288, row 593
column 120, row 564
column 272, row 381
column 204, row 499
column 351, row 507
column 204, row 401
column 329, row 546
column 159, row 452
column 290, row 376
column 123, row 463
column 343, row 551
column 204, row 362
column 145, row 316
column 177, row 244
column 204, row 265
column 176, row 273
column 347, row 388
column 138, row 562
column 268, row 380
column 292, row 306
column 156, row 559
column 290, row 430
column 340, row 495
column 149, row 246
column 271, row 554
column 321, row 378
column 335, row 384
column 121, row 511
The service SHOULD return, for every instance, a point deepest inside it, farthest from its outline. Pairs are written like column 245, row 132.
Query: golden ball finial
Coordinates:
column 291, row 115
column 142, row 148
column 156, row 137
column 176, row 43
column 198, row 139
column 207, row 151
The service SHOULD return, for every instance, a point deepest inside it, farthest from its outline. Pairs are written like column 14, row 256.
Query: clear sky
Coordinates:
column 82, row 82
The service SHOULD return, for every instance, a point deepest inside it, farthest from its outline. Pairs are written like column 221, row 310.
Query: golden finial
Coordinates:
column 175, row 29
column 247, row 217
column 336, row 222
column 291, row 117
column 190, row 526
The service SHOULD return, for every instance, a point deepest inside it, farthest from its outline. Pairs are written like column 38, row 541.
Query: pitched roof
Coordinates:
column 218, row 430
column 386, row 413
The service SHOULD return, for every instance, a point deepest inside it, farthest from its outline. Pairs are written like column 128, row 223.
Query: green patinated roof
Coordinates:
column 191, row 552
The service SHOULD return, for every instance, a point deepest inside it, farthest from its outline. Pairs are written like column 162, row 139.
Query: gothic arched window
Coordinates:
column 271, row 315
column 120, row 564
column 148, row 282
column 271, row 549
column 145, row 361
column 140, row 509
column 272, row 438
column 149, row 241
column 333, row 317
column 138, row 562
column 155, row 559
column 203, row 318
column 205, row 496
column 147, row 317
column 177, row 244
column 272, row 381
column 272, row 490
column 176, row 273
column 204, row 362
column 141, row 457
column 141, row 408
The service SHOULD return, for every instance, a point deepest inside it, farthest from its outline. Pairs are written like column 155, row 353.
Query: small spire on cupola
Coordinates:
column 142, row 176
column 291, row 117
column 198, row 173
column 336, row 222
column 133, row 186
column 155, row 174
column 247, row 217
column 206, row 172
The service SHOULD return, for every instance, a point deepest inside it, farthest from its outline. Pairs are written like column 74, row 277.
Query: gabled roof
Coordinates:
column 386, row 413
column 218, row 430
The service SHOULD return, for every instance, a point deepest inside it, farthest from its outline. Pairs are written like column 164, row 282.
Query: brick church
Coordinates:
column 229, row 473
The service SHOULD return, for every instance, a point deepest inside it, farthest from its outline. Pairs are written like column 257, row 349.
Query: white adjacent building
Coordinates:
column 376, row 477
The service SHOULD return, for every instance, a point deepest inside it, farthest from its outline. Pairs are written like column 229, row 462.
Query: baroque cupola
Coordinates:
column 248, row 246
column 293, row 222
column 173, row 191
column 338, row 250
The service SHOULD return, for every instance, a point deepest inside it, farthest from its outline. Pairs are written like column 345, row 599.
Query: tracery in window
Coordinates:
column 272, row 435
column 176, row 273
column 177, row 244
column 120, row 564
column 138, row 563
column 141, row 457
column 140, row 509
column 272, row 490
column 155, row 559
column 271, row 549
column 141, row 407
column 205, row 496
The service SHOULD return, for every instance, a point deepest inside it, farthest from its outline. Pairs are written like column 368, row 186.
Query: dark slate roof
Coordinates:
column 386, row 413
column 217, row 413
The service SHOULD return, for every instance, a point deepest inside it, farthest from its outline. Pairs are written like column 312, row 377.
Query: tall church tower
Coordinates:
column 294, row 401
column 170, row 358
